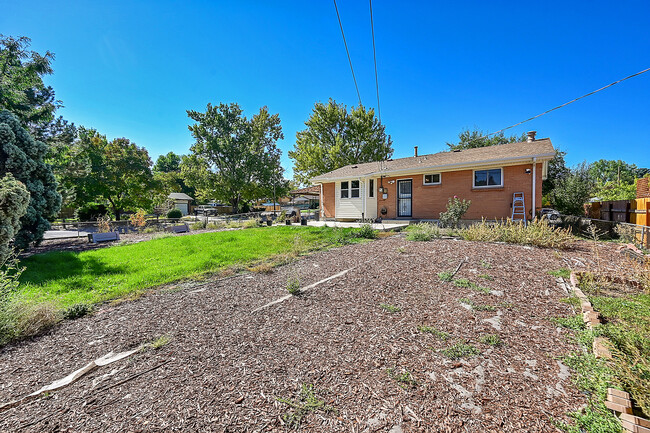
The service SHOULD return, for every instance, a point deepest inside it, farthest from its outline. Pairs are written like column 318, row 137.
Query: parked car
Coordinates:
column 551, row 215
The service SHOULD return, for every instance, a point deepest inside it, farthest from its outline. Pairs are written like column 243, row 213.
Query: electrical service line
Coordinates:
column 348, row 53
column 374, row 55
column 563, row 105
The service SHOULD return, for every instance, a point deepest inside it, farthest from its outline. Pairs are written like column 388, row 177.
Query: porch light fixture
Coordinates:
column 528, row 171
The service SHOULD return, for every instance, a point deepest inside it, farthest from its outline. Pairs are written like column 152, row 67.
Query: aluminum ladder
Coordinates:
column 518, row 207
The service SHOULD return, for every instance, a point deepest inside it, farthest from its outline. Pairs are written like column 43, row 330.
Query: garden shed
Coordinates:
column 181, row 201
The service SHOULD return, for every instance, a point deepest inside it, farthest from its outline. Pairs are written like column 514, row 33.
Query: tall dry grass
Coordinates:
column 537, row 233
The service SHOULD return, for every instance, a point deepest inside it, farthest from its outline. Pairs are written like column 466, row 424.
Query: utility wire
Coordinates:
column 560, row 106
column 374, row 55
column 348, row 52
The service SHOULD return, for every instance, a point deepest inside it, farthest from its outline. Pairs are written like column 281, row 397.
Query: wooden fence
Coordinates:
column 636, row 212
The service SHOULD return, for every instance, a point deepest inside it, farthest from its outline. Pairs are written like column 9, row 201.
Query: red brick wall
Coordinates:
column 328, row 200
column 643, row 188
column 429, row 201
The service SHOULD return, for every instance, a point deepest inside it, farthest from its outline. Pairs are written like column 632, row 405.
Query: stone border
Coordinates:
column 618, row 401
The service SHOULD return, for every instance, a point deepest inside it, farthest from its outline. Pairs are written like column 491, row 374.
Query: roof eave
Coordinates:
column 461, row 165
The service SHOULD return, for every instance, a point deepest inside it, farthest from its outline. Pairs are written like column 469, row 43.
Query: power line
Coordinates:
column 374, row 55
column 563, row 105
column 348, row 52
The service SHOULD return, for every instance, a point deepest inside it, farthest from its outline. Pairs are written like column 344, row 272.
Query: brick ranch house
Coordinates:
column 419, row 187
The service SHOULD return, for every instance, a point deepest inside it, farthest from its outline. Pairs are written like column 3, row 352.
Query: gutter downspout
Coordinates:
column 534, row 186
column 363, row 205
column 322, row 210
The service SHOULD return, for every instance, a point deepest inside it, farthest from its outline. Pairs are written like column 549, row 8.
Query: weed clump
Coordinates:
column 430, row 330
column 422, row 232
column 460, row 350
column 77, row 311
column 537, row 233
column 390, row 308
column 491, row 340
column 293, row 286
column 403, row 379
column 445, row 276
column 306, row 403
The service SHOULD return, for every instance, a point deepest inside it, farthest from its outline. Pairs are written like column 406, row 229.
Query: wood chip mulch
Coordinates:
column 225, row 368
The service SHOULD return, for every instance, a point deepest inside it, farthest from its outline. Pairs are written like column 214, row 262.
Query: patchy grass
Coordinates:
column 404, row 378
column 430, row 330
column 491, row 340
column 89, row 277
column 538, row 233
column 486, row 277
column 307, row 402
column 390, row 308
column 460, row 350
column 561, row 273
column 445, row 276
column 159, row 342
column 463, row 282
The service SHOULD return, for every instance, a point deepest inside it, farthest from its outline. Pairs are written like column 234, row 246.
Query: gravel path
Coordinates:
column 225, row 367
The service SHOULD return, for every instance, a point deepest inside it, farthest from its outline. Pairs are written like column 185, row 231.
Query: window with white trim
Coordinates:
column 371, row 188
column 488, row 178
column 345, row 189
column 354, row 189
column 432, row 179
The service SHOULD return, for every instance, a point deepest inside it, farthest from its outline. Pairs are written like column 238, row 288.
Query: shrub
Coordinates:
column 104, row 224
column 422, row 232
column 365, row 232
column 198, row 225
column 174, row 213
column 138, row 219
column 282, row 216
column 251, row 223
column 215, row 226
column 33, row 319
column 149, row 230
column 456, row 208
column 537, row 233
column 293, row 286
column 14, row 199
column 91, row 212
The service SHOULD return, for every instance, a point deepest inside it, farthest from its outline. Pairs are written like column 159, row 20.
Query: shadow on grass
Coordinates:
column 55, row 266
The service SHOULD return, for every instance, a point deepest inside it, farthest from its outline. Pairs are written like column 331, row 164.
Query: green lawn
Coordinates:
column 89, row 277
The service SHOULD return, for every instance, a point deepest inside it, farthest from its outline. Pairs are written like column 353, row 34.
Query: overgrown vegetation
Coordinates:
column 422, row 232
column 430, row 330
column 307, row 402
column 538, row 233
column 445, row 276
column 561, row 273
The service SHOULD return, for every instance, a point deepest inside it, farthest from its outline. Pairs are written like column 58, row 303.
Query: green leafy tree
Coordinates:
column 557, row 170
column 22, row 90
column 118, row 172
column 23, row 157
column 615, row 180
column 470, row 139
column 167, row 163
column 234, row 159
column 335, row 138
column 572, row 191
column 615, row 191
column 14, row 199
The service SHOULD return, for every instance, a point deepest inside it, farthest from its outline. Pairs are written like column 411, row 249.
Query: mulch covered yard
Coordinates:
column 225, row 368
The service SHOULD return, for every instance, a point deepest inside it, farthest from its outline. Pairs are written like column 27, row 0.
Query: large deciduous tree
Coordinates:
column 14, row 199
column 470, row 139
column 335, row 138
column 23, row 157
column 572, row 191
column 234, row 159
column 117, row 171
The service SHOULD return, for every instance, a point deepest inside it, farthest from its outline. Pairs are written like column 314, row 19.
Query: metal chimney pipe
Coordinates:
column 531, row 136
column 416, row 151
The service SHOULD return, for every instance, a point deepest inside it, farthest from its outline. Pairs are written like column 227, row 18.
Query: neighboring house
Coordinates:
column 306, row 198
column 419, row 187
column 181, row 201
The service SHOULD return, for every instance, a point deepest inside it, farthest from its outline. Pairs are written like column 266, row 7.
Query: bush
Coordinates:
column 198, row 225
column 76, row 311
column 14, row 199
column 251, row 223
column 9, row 274
column 538, row 233
column 422, row 232
column 91, row 212
column 456, row 208
column 138, row 219
column 365, row 232
column 174, row 213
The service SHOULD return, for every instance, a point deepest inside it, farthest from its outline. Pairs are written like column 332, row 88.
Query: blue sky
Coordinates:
column 132, row 68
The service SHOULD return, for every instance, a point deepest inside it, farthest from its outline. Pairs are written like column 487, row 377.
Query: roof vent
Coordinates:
column 531, row 136
column 355, row 166
column 456, row 150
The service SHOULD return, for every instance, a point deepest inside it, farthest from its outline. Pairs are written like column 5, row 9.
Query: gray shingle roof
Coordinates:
column 179, row 196
column 541, row 148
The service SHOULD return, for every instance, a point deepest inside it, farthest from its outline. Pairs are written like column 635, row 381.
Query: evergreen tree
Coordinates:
column 14, row 199
column 23, row 157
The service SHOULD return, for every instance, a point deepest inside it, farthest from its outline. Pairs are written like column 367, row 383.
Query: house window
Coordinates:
column 345, row 191
column 488, row 178
column 371, row 188
column 354, row 191
column 432, row 179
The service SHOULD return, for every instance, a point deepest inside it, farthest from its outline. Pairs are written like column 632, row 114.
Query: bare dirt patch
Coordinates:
column 225, row 368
